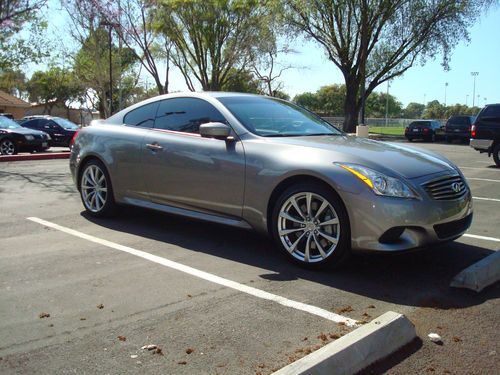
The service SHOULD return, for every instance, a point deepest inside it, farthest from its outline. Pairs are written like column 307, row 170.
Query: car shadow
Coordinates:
column 418, row 278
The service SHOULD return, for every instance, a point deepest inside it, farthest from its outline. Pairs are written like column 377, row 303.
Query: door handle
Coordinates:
column 154, row 146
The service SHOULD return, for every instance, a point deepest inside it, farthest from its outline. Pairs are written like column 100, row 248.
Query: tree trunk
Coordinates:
column 351, row 106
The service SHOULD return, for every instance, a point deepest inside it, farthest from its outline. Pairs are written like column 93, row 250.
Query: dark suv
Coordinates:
column 458, row 127
column 61, row 131
column 485, row 132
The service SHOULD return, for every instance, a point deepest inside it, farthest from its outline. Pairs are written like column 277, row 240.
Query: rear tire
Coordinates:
column 96, row 190
column 496, row 154
column 311, row 227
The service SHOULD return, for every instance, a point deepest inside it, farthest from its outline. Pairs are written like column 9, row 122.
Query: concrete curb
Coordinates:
column 42, row 156
column 480, row 274
column 358, row 349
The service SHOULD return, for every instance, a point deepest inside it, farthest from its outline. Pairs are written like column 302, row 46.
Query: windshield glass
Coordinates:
column 7, row 123
column 423, row 124
column 270, row 117
column 66, row 124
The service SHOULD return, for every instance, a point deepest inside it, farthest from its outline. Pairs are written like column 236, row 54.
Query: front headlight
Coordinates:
column 29, row 137
column 379, row 183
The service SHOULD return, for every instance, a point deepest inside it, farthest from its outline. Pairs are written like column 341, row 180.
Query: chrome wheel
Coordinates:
column 94, row 188
column 308, row 227
column 7, row 147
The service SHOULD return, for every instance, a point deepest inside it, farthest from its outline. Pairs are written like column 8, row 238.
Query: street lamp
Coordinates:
column 466, row 99
column 110, row 25
column 474, row 74
column 445, row 86
column 424, row 98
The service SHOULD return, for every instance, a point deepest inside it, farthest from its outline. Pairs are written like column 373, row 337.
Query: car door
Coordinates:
column 183, row 169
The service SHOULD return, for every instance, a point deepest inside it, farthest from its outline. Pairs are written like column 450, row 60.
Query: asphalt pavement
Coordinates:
column 241, row 308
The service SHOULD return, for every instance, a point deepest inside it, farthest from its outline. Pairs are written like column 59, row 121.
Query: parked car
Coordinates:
column 15, row 138
column 428, row 130
column 485, row 132
column 60, row 130
column 259, row 162
column 458, row 127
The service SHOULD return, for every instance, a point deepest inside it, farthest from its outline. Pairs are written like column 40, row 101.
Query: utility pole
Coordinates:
column 387, row 104
column 466, row 99
column 445, row 87
column 474, row 74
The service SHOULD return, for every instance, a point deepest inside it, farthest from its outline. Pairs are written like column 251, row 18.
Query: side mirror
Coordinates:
column 215, row 130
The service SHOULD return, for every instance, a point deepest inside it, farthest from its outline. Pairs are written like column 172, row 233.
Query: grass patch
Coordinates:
column 387, row 130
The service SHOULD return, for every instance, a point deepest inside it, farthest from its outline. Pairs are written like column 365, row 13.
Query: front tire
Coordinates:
column 8, row 147
column 96, row 191
column 496, row 154
column 311, row 227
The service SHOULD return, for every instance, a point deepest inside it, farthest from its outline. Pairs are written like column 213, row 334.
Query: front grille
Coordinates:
column 446, row 188
column 453, row 228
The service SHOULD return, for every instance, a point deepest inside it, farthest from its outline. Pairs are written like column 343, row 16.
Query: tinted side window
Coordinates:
column 492, row 111
column 143, row 116
column 186, row 114
column 32, row 124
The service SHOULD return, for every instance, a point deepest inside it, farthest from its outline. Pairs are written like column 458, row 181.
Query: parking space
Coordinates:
column 227, row 328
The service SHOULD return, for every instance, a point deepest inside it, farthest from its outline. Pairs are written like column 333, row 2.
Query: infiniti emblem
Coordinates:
column 455, row 187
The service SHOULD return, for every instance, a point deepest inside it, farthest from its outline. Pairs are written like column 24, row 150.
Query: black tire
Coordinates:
column 410, row 139
column 496, row 154
column 8, row 147
column 109, row 207
column 335, row 255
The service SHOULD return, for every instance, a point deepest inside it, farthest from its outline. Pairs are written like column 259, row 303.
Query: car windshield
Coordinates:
column 269, row 117
column 66, row 124
column 7, row 123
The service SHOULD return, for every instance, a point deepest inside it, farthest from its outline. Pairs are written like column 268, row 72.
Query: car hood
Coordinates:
column 406, row 161
column 23, row 131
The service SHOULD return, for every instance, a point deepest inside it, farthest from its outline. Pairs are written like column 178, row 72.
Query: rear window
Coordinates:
column 459, row 120
column 420, row 124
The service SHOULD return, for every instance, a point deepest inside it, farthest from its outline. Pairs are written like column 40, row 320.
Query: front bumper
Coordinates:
column 391, row 224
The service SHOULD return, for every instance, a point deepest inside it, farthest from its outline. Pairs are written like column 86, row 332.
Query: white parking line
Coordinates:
column 204, row 275
column 482, row 237
column 482, row 179
column 487, row 199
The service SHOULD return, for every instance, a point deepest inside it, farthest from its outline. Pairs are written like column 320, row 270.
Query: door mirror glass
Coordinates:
column 215, row 130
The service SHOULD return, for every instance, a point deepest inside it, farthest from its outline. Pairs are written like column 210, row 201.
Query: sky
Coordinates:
column 419, row 84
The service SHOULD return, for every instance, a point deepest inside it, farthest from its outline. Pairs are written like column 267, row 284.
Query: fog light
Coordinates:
column 391, row 235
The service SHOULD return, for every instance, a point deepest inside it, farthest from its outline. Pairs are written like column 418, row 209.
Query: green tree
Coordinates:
column 54, row 86
column 374, row 41
column 434, row 110
column 413, row 110
column 308, row 100
column 13, row 81
column 376, row 105
column 331, row 99
column 211, row 37
column 241, row 81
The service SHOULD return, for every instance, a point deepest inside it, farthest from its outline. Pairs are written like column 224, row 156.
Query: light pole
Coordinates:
column 474, row 74
column 387, row 104
column 466, row 99
column 110, row 26
column 485, row 101
column 445, row 87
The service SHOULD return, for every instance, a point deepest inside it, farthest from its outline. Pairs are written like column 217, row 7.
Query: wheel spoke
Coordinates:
column 308, row 205
column 307, row 249
column 319, row 247
column 321, row 209
column 294, row 245
column 330, row 222
column 285, row 232
column 328, row 237
column 287, row 216
column 297, row 208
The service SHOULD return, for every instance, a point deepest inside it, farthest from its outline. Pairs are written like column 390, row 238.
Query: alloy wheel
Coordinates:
column 308, row 227
column 94, row 188
column 7, row 147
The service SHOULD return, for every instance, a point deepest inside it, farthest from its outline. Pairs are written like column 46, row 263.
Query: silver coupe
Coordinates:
column 258, row 162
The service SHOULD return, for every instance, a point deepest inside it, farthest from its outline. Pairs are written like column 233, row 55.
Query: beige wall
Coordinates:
column 17, row 112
